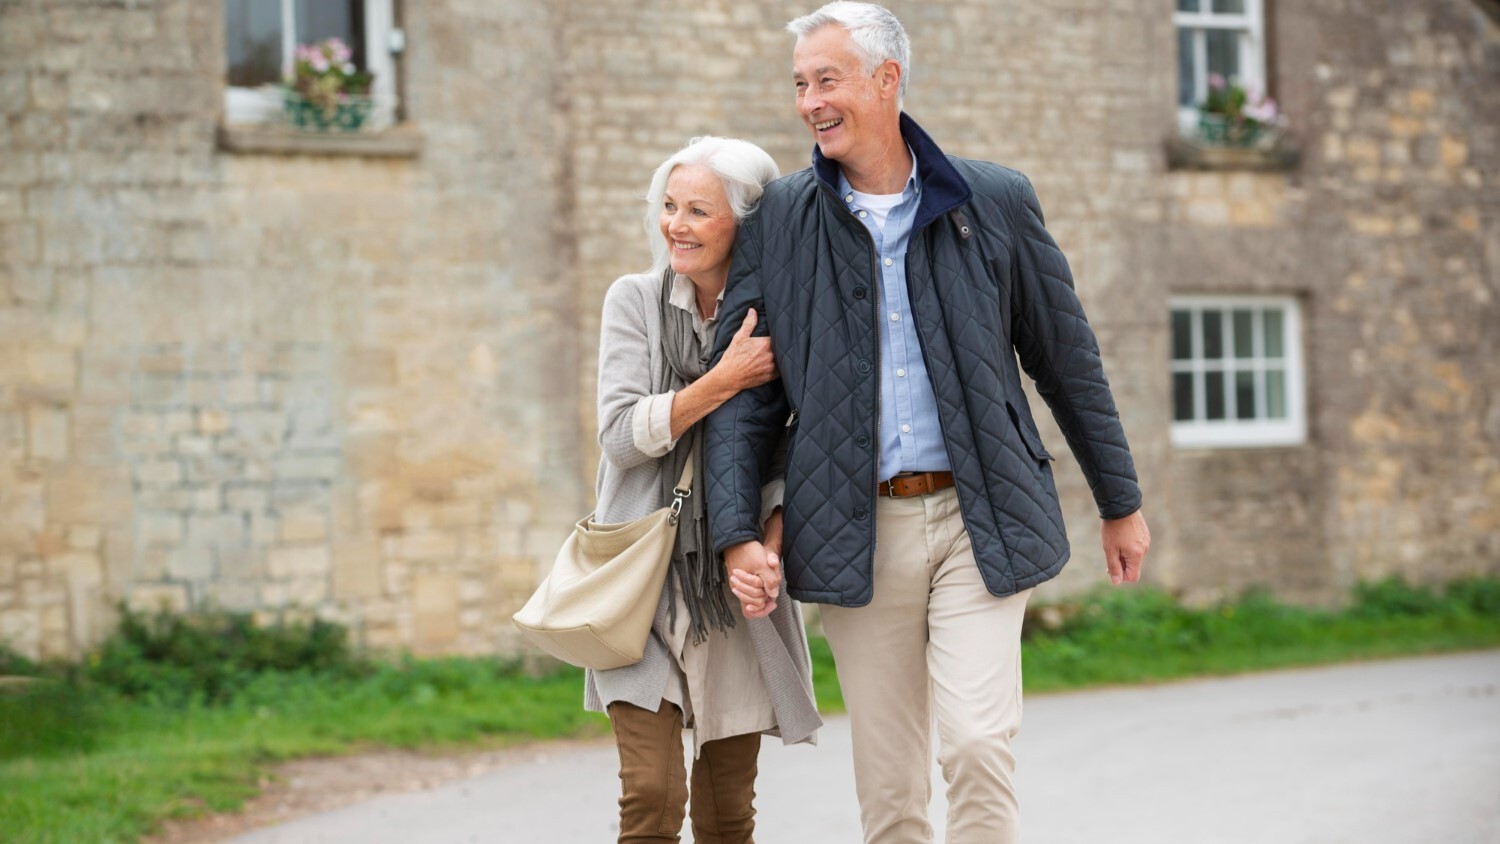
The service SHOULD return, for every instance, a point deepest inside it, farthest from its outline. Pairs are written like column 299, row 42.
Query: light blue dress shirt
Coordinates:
column 911, row 438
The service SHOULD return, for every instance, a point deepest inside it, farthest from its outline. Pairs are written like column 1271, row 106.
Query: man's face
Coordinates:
column 840, row 103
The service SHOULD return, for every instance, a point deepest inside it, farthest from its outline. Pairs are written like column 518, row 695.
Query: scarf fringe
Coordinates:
column 708, row 607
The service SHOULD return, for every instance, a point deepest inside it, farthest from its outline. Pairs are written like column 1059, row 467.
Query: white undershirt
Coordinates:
column 878, row 204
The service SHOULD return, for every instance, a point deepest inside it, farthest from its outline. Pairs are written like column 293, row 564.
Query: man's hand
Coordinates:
column 1125, row 544
column 754, row 577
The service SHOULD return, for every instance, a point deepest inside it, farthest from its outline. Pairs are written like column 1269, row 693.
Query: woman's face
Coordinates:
column 698, row 224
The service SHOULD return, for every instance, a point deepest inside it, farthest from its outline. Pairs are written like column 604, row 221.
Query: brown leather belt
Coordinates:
column 908, row 484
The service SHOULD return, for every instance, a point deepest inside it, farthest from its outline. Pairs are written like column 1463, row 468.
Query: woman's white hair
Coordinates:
column 877, row 34
column 742, row 167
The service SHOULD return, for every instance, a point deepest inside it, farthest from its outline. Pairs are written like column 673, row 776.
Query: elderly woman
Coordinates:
column 725, row 658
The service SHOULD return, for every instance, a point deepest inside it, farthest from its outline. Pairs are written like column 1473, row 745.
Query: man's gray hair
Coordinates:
column 743, row 169
column 877, row 34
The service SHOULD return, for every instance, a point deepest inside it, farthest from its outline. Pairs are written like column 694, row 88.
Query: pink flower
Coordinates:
column 338, row 50
column 1216, row 80
column 1263, row 110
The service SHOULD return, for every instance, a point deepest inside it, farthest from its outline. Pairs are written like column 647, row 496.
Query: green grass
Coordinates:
column 117, row 766
column 179, row 717
column 1120, row 637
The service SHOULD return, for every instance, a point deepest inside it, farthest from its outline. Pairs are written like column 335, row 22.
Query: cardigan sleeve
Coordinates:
column 630, row 414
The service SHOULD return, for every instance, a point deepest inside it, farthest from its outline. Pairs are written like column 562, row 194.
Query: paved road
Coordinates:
column 1399, row 752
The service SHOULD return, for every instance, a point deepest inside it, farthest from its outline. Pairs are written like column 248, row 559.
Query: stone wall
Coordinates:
column 334, row 384
column 363, row 387
column 1388, row 234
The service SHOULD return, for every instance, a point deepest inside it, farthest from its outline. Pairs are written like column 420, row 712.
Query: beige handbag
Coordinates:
column 596, row 606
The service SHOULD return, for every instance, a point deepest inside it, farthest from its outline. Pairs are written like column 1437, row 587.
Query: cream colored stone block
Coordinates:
column 427, row 545
column 357, row 570
column 47, row 433
column 53, row 367
column 159, row 529
column 303, row 526
column 213, row 421
column 435, row 603
column 1362, row 150
column 1252, row 214
column 159, row 473
column 299, row 561
column 1208, row 212
column 1454, row 151
column 307, row 592
column 1372, row 224
column 89, row 494
column 20, row 630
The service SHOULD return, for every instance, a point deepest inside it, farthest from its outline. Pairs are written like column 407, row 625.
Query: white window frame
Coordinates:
column 382, row 42
column 1231, row 432
column 1252, row 28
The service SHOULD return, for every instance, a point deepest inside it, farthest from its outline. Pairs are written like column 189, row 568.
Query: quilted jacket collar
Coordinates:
column 943, row 189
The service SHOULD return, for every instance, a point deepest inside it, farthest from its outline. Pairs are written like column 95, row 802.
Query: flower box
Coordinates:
column 1220, row 130
column 348, row 114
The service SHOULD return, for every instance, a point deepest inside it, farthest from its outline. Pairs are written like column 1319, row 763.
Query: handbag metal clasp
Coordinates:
column 680, row 494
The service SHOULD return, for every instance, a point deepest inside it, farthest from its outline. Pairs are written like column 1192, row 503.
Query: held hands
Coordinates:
column 755, row 571
column 1125, row 544
column 748, row 361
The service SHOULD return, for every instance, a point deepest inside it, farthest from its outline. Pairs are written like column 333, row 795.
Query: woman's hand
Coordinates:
column 754, row 577
column 757, row 596
column 748, row 362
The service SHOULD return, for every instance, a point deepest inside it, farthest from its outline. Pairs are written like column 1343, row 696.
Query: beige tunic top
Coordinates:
column 757, row 676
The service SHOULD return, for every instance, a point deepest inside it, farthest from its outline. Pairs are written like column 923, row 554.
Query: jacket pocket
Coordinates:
column 1029, row 436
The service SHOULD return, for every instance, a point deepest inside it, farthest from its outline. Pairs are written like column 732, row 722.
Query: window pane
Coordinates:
column 1182, row 396
column 1276, row 393
column 253, row 42
column 1187, row 5
column 1244, row 395
column 1186, row 69
column 1213, row 335
column 320, row 19
column 1244, row 341
column 1229, row 7
column 1182, row 335
column 1274, row 345
column 1224, row 53
column 1213, row 391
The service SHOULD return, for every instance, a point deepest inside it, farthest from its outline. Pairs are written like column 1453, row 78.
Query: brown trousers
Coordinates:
column 654, row 782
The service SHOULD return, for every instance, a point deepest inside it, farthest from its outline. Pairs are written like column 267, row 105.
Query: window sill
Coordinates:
column 1186, row 154
column 402, row 141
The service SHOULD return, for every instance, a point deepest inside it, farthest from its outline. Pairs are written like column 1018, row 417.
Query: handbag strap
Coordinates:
column 682, row 491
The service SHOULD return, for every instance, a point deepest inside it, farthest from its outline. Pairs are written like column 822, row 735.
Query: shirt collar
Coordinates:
column 684, row 295
column 912, row 188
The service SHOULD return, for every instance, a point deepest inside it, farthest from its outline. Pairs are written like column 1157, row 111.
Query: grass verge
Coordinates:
column 176, row 717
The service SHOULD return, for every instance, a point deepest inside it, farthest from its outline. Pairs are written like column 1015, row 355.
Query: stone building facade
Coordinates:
column 356, row 379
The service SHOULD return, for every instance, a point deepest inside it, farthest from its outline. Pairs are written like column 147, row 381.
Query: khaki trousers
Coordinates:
column 654, row 786
column 932, row 641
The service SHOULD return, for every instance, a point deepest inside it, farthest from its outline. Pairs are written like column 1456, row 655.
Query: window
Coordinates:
column 1224, row 37
column 1237, row 371
column 262, row 35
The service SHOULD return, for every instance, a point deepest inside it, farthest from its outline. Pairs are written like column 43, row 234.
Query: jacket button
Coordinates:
column 863, row 366
column 861, row 440
column 859, row 293
column 861, row 513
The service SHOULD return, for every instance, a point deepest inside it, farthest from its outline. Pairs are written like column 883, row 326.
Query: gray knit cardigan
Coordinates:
column 629, row 487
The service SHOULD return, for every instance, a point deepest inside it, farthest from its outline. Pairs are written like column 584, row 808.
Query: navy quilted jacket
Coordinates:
column 987, row 285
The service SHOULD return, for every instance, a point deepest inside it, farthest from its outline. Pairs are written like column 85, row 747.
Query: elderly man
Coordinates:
column 900, row 285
